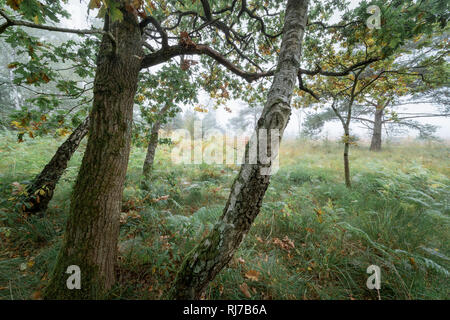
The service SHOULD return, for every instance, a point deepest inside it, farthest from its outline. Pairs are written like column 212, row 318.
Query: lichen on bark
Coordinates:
column 247, row 192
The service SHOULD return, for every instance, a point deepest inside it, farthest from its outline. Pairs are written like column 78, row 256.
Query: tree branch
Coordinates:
column 166, row 54
column 12, row 22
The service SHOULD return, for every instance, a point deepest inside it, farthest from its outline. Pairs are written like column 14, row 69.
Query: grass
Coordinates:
column 313, row 239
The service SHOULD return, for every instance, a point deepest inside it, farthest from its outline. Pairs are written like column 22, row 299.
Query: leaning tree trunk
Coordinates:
column 40, row 191
column 244, row 203
column 375, row 144
column 153, row 143
column 92, row 231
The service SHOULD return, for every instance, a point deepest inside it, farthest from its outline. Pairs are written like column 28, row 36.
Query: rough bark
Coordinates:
column 40, row 191
column 244, row 203
column 92, row 231
column 153, row 143
column 375, row 144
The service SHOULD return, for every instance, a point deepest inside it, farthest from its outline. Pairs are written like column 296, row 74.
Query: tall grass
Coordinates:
column 313, row 239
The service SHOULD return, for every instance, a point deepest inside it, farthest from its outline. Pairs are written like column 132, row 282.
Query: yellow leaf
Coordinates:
column 16, row 124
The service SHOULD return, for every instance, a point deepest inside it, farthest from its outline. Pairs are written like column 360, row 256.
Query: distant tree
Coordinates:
column 385, row 73
column 159, row 97
column 246, row 118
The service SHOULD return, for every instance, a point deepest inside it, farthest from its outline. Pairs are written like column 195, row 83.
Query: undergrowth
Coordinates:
column 313, row 239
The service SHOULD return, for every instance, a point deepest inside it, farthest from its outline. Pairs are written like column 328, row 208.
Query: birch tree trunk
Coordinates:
column 244, row 203
column 90, row 240
column 40, row 192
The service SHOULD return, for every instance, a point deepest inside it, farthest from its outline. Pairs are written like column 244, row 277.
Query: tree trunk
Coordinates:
column 375, row 145
column 153, row 143
column 92, row 231
column 348, row 182
column 40, row 192
column 244, row 203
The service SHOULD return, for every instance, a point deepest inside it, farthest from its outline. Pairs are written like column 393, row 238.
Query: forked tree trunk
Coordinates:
column 375, row 144
column 92, row 231
column 153, row 143
column 40, row 192
column 244, row 203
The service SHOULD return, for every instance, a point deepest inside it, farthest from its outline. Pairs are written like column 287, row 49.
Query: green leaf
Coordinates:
column 116, row 14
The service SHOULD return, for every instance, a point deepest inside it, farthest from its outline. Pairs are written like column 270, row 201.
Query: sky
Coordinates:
column 79, row 19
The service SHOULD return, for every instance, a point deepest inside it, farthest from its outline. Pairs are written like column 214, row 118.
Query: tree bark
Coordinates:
column 375, row 144
column 40, row 192
column 92, row 231
column 244, row 203
column 153, row 143
column 348, row 182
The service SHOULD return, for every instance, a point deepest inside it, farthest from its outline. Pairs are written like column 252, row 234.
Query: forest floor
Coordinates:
column 313, row 239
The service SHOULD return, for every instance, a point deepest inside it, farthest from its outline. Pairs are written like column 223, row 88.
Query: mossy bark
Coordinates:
column 92, row 231
column 247, row 193
column 40, row 191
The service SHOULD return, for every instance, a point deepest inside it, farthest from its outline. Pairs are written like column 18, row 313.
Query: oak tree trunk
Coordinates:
column 244, row 203
column 92, row 231
column 153, row 143
column 40, row 191
column 375, row 144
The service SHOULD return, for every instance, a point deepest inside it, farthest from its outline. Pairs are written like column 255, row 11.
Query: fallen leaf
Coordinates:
column 252, row 275
column 161, row 198
column 244, row 290
column 259, row 239
column 36, row 295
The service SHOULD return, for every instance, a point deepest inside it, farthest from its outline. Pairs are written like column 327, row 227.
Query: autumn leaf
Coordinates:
column 319, row 213
column 14, row 4
column 244, row 289
column 94, row 4
column 45, row 78
column 252, row 275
